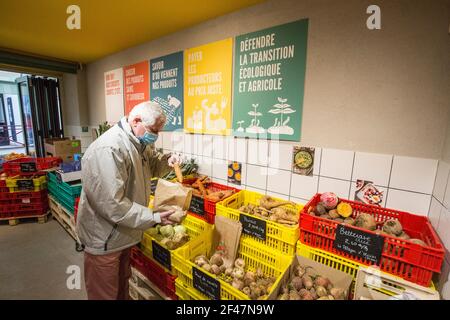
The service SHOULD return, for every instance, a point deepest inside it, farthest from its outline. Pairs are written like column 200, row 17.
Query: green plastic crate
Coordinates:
column 62, row 197
column 72, row 188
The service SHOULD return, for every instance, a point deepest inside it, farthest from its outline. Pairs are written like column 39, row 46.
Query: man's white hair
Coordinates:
column 150, row 113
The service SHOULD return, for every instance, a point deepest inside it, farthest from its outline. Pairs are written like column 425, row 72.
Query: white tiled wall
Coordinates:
column 337, row 164
column 413, row 174
column 440, row 203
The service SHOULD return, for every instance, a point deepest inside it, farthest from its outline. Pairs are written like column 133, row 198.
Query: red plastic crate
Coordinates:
column 13, row 167
column 30, row 213
column 75, row 211
column 23, row 213
column 399, row 257
column 210, row 206
column 4, row 190
column 5, row 208
column 23, row 195
column 153, row 272
column 24, row 207
column 42, row 194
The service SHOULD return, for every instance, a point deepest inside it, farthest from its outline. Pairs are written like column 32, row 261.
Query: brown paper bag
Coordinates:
column 226, row 237
column 172, row 196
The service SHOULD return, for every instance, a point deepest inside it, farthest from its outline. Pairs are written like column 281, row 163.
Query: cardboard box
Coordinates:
column 68, row 176
column 338, row 278
column 372, row 284
column 66, row 157
column 61, row 146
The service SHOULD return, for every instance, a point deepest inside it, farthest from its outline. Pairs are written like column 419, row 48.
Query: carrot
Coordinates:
column 202, row 188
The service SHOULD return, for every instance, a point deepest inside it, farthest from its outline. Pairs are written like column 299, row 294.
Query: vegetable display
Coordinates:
column 330, row 207
column 308, row 284
column 187, row 168
column 254, row 284
column 272, row 210
column 200, row 189
column 171, row 237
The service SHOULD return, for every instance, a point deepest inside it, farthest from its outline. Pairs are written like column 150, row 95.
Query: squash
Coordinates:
column 344, row 209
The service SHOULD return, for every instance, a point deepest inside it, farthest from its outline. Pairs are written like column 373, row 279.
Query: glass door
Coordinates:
column 27, row 118
column 4, row 134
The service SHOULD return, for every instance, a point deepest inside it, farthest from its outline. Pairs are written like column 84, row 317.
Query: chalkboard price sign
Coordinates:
column 153, row 184
column 28, row 167
column 253, row 227
column 25, row 184
column 206, row 284
column 197, row 205
column 162, row 255
column 359, row 243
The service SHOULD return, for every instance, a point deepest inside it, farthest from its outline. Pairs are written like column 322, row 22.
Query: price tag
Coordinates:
column 25, row 184
column 359, row 243
column 197, row 205
column 253, row 226
column 161, row 254
column 206, row 284
column 26, row 200
column 28, row 167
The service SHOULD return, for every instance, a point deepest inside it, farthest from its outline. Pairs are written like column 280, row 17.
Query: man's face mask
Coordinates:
column 148, row 138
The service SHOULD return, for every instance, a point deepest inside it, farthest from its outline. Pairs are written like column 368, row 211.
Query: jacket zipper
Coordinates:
column 109, row 237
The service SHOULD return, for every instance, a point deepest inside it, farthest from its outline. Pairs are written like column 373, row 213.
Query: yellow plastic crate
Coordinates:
column 278, row 236
column 339, row 263
column 186, row 293
column 194, row 228
column 255, row 255
column 40, row 187
column 37, row 182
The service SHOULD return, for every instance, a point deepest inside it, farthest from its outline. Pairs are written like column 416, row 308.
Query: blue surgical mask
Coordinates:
column 148, row 138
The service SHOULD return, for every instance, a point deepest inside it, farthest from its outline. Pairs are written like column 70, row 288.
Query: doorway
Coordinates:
column 30, row 111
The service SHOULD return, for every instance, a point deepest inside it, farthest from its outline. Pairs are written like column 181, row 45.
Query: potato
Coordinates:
column 297, row 283
column 321, row 291
column 418, row 241
column 322, row 282
column 238, row 284
column 349, row 221
column 207, row 267
column 337, row 293
column 393, row 227
column 333, row 214
column 215, row 269
column 216, row 259
column 293, row 295
column 366, row 221
column 307, row 282
column 320, row 209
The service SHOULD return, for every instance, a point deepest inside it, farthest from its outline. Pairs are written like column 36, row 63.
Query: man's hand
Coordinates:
column 175, row 158
column 165, row 217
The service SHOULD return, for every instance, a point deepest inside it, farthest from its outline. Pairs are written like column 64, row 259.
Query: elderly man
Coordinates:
column 113, row 213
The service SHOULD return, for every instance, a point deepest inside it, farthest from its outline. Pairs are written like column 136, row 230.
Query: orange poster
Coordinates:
column 136, row 80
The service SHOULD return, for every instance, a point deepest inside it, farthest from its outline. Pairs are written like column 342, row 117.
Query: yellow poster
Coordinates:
column 207, row 88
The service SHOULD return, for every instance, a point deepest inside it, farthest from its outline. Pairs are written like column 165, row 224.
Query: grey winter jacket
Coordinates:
column 116, row 174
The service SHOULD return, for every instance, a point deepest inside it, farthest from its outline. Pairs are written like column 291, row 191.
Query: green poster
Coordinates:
column 269, row 78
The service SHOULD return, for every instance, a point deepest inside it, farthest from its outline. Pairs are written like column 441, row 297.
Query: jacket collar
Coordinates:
column 127, row 128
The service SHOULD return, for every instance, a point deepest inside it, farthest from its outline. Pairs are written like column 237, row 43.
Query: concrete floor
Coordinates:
column 33, row 262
